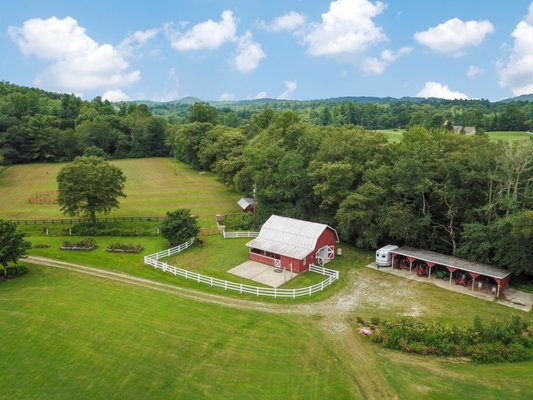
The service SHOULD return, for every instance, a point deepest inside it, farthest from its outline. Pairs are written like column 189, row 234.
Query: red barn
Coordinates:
column 293, row 244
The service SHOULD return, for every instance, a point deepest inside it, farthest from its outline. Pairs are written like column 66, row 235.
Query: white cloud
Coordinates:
column 115, row 95
column 376, row 66
column 287, row 22
column 205, row 35
column 346, row 29
column 77, row 62
column 452, row 36
column 227, row 97
column 135, row 41
column 437, row 90
column 249, row 54
column 518, row 73
column 290, row 87
column 474, row 71
column 261, row 95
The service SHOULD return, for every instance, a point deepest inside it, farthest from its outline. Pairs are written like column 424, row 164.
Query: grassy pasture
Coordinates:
column 153, row 187
column 394, row 135
column 509, row 135
column 66, row 335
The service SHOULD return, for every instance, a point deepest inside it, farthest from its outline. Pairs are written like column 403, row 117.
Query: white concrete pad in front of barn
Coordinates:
column 262, row 273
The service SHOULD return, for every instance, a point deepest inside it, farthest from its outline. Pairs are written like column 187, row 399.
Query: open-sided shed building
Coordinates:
column 293, row 244
column 477, row 276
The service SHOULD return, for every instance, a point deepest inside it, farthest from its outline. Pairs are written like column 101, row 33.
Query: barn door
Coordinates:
column 330, row 253
column 325, row 254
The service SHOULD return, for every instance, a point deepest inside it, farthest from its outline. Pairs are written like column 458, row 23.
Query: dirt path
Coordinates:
column 330, row 315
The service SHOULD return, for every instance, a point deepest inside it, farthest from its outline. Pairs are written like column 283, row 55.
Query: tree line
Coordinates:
column 438, row 190
column 39, row 126
column 373, row 113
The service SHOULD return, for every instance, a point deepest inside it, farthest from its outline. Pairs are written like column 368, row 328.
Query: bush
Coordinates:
column 179, row 226
column 239, row 222
column 494, row 341
column 15, row 271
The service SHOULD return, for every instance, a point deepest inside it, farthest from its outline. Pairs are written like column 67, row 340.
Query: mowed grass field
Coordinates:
column 153, row 187
column 395, row 135
column 509, row 135
column 67, row 335
column 70, row 336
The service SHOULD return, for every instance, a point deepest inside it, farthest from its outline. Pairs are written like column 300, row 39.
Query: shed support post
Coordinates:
column 410, row 266
column 473, row 283
column 451, row 274
column 498, row 291
column 429, row 276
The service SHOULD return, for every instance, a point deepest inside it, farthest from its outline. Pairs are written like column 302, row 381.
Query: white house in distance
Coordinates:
column 293, row 244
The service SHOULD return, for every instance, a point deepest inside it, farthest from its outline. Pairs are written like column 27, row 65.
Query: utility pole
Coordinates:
column 255, row 204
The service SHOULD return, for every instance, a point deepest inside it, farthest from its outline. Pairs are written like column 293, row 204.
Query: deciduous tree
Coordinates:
column 90, row 185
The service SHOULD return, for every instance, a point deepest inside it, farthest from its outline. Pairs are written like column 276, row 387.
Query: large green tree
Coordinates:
column 12, row 244
column 90, row 185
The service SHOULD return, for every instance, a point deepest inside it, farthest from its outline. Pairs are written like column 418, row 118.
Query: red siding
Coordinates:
column 328, row 238
column 262, row 259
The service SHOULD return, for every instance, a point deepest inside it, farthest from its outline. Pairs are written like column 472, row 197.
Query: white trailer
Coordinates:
column 383, row 256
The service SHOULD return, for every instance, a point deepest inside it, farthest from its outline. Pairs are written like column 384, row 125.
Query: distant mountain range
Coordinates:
column 357, row 99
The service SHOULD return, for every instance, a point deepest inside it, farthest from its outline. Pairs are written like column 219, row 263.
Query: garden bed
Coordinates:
column 124, row 248
column 82, row 245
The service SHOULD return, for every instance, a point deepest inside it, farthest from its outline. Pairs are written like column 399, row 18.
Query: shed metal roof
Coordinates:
column 245, row 202
column 451, row 261
column 289, row 237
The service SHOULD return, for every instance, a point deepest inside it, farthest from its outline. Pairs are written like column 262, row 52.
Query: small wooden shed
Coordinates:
column 246, row 204
column 293, row 244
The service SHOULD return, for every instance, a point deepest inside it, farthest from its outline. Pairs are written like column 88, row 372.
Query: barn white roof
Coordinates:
column 288, row 236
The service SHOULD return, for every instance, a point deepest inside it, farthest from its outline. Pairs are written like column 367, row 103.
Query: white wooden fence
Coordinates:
column 234, row 235
column 153, row 260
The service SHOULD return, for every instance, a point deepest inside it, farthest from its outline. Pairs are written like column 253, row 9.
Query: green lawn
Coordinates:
column 509, row 135
column 214, row 258
column 71, row 336
column 153, row 187
column 68, row 335
column 394, row 135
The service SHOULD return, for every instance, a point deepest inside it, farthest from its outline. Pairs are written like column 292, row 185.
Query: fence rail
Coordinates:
column 77, row 220
column 234, row 235
column 153, row 260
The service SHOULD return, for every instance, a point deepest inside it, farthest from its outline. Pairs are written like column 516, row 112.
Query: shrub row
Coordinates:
column 494, row 341
column 120, row 247
column 87, row 244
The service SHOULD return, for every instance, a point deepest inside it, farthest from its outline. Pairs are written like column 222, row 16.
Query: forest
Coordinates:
column 435, row 189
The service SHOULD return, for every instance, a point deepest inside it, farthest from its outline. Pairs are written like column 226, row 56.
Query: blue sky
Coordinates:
column 165, row 50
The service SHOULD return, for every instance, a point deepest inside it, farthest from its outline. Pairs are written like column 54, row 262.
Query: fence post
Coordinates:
column 257, row 290
column 310, row 291
column 241, row 287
